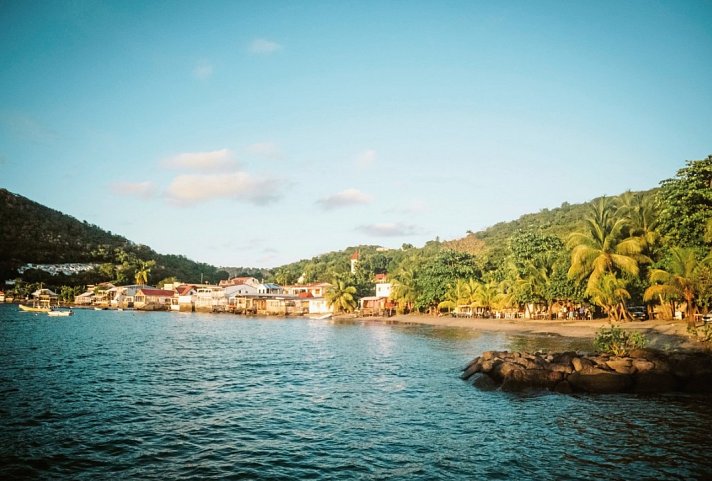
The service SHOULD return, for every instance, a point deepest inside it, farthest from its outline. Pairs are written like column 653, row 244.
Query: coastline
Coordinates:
column 661, row 333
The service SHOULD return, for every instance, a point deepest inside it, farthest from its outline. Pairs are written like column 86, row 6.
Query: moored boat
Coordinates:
column 26, row 308
column 60, row 313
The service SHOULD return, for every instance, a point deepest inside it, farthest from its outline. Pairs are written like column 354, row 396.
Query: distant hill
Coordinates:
column 560, row 222
column 32, row 232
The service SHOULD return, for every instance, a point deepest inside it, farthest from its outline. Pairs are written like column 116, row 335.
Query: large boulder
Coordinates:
column 597, row 380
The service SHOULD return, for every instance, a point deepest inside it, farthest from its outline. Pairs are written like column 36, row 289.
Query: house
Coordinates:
column 270, row 289
column 2, row 296
column 319, row 305
column 184, row 298
column 123, row 296
column 84, row 299
column 375, row 306
column 210, row 299
column 150, row 299
column 239, row 281
column 383, row 289
column 314, row 289
column 45, row 298
column 354, row 262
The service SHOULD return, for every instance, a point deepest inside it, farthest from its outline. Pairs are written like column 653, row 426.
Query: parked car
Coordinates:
column 638, row 313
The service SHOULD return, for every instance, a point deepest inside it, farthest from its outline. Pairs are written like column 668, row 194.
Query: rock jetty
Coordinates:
column 641, row 371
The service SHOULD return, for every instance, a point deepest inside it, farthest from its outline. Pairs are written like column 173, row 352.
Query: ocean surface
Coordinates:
column 131, row 395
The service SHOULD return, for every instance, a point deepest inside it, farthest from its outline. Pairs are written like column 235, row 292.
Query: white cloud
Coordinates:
column 344, row 198
column 213, row 160
column 142, row 190
column 366, row 159
column 397, row 229
column 261, row 46
column 265, row 149
column 241, row 186
column 203, row 70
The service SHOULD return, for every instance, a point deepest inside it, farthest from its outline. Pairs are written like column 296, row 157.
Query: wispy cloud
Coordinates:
column 203, row 70
column 27, row 127
column 397, row 229
column 240, row 186
column 142, row 190
column 344, row 198
column 269, row 150
column 366, row 159
column 261, row 46
column 212, row 160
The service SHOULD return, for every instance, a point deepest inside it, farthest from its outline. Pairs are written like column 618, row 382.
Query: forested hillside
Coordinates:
column 33, row 233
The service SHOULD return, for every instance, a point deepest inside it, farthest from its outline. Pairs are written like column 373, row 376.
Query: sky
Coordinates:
column 245, row 133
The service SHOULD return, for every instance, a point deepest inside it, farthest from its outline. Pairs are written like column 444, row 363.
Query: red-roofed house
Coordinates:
column 239, row 281
column 149, row 299
column 354, row 261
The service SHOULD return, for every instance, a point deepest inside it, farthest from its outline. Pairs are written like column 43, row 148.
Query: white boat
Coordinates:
column 322, row 318
column 25, row 308
column 60, row 313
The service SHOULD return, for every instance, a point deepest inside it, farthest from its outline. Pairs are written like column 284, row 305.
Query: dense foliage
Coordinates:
column 33, row 233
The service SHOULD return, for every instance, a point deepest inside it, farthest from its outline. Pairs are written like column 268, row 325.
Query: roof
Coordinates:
column 354, row 256
column 272, row 286
column 183, row 290
column 373, row 298
column 380, row 277
column 156, row 292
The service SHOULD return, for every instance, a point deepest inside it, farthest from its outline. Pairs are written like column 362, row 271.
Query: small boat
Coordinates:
column 322, row 318
column 25, row 308
column 60, row 313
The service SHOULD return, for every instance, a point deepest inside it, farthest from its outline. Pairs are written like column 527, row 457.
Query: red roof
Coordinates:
column 303, row 294
column 183, row 290
column 354, row 256
column 157, row 292
column 381, row 277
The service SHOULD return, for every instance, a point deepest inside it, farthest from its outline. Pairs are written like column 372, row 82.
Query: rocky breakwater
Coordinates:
column 641, row 371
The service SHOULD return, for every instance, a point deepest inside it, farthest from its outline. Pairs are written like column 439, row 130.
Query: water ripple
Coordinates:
column 196, row 397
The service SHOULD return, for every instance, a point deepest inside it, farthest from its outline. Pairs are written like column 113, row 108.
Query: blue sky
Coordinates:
column 260, row 133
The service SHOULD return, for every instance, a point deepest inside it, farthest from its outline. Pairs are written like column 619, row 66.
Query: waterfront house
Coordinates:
column 270, row 289
column 184, row 298
column 123, row 296
column 210, row 299
column 150, row 299
column 374, row 306
column 2, row 296
column 84, row 299
column 45, row 298
column 319, row 305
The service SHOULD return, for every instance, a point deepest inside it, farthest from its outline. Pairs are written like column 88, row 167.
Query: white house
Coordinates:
column 210, row 298
column 383, row 289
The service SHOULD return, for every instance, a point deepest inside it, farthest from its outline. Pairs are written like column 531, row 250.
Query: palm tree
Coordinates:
column 610, row 293
column 462, row 293
column 599, row 248
column 679, row 281
column 486, row 295
column 403, row 290
column 642, row 217
column 538, row 279
column 341, row 296
column 142, row 271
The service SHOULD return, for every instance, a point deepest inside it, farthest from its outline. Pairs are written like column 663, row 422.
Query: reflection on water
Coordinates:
column 159, row 396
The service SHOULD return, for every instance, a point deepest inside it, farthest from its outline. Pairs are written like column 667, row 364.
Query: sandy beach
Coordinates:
column 663, row 334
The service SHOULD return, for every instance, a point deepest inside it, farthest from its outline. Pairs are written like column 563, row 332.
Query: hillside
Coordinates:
column 32, row 232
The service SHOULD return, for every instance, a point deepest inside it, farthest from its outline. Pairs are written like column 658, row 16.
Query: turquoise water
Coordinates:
column 136, row 395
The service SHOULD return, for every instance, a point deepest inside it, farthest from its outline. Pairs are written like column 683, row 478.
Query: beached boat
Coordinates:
column 60, row 313
column 322, row 318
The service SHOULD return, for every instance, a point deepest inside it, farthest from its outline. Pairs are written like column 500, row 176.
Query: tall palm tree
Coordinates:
column 679, row 281
column 642, row 217
column 610, row 293
column 600, row 249
column 341, row 296
column 486, row 295
column 403, row 290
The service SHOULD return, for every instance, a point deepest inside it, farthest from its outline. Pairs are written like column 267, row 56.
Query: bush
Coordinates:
column 701, row 333
column 618, row 341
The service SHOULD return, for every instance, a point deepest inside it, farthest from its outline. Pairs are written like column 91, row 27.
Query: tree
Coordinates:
column 610, row 293
column 403, row 289
column 143, row 270
column 600, row 249
column 680, row 281
column 461, row 293
column 686, row 204
column 341, row 296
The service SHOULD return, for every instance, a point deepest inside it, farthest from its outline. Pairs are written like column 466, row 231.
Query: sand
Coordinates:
column 663, row 334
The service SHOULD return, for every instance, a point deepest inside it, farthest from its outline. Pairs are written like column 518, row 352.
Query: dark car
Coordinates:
column 638, row 313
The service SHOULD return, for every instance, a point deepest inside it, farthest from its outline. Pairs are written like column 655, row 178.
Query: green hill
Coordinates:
column 33, row 233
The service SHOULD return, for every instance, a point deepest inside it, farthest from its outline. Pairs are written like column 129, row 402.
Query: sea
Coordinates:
column 161, row 395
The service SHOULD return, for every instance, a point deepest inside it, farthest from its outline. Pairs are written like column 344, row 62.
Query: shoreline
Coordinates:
column 661, row 333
